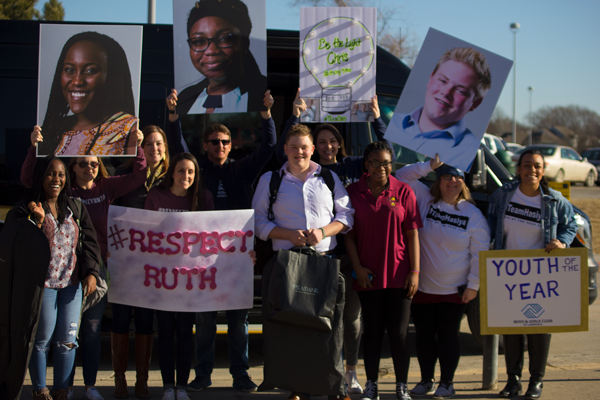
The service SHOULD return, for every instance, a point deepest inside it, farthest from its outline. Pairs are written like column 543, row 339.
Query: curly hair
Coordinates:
column 341, row 154
column 543, row 181
column 375, row 146
column 116, row 95
column 37, row 193
column 197, row 188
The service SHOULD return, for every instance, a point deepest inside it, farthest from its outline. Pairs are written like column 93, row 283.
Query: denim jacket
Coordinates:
column 558, row 217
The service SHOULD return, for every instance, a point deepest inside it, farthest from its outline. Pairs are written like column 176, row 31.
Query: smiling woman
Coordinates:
column 219, row 46
column 91, row 107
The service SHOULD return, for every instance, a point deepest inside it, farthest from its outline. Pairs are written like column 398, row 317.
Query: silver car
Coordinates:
column 564, row 164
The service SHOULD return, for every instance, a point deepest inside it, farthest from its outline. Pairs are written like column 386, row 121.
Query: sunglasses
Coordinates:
column 215, row 142
column 84, row 164
column 449, row 177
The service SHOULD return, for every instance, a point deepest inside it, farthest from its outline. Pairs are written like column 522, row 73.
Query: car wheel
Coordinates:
column 589, row 181
column 560, row 176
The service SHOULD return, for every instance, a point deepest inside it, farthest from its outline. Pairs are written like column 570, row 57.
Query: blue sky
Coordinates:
column 557, row 45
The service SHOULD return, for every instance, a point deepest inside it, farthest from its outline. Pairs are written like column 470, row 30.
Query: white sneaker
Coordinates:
column 169, row 394
column 92, row 394
column 352, row 384
column 182, row 395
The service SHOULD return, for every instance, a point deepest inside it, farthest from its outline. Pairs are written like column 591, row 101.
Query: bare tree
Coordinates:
column 402, row 44
column 501, row 124
column 581, row 120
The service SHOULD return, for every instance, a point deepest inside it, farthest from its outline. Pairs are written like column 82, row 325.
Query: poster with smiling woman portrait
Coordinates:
column 220, row 50
column 88, row 89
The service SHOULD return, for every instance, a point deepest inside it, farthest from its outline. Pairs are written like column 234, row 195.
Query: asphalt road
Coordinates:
column 581, row 192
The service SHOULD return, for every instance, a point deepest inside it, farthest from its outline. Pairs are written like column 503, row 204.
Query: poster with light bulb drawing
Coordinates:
column 338, row 48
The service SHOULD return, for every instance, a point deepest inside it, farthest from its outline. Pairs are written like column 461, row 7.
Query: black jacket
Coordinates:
column 238, row 176
column 255, row 86
column 88, row 254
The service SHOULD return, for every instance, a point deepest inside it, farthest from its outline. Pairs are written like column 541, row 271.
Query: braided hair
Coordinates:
column 116, row 95
column 375, row 146
column 37, row 193
column 543, row 181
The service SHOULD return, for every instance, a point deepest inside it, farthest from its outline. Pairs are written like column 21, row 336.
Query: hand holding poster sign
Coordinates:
column 193, row 261
column 448, row 99
column 532, row 291
column 337, row 62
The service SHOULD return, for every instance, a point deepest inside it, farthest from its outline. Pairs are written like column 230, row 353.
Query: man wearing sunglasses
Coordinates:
column 231, row 184
column 218, row 39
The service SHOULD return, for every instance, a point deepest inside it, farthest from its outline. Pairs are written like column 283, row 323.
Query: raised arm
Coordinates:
column 174, row 134
column 379, row 126
column 118, row 186
column 30, row 161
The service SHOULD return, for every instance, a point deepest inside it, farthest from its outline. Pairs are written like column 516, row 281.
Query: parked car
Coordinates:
column 514, row 147
column 497, row 147
column 564, row 164
column 593, row 157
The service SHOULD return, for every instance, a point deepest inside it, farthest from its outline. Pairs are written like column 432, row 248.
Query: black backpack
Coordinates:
column 275, row 182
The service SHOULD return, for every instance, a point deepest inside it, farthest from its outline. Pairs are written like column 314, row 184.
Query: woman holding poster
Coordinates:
column 91, row 109
column 526, row 214
column 454, row 232
column 219, row 41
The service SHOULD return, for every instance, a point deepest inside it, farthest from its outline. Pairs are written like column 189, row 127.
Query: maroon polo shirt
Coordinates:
column 379, row 225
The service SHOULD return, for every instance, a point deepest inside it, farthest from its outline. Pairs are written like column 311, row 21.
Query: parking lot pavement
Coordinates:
column 573, row 370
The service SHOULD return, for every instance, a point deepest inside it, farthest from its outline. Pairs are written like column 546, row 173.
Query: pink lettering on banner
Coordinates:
column 160, row 277
column 210, row 242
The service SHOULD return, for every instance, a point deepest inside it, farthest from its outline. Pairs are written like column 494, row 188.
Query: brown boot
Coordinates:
column 143, row 354
column 60, row 394
column 119, row 344
column 42, row 394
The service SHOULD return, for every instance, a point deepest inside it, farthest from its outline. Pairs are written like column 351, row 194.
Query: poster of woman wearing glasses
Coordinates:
column 220, row 49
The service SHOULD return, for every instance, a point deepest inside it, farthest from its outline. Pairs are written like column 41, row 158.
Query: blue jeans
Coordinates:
column 237, row 335
column 143, row 317
column 58, row 324
column 89, row 342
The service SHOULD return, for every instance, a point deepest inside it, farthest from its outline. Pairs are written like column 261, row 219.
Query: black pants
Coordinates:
column 539, row 347
column 171, row 324
column 437, row 327
column 385, row 309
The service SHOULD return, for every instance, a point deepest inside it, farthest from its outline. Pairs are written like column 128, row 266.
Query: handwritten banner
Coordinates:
column 193, row 261
column 532, row 291
column 337, row 63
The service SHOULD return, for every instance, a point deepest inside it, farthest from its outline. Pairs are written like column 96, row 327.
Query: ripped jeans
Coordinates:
column 57, row 327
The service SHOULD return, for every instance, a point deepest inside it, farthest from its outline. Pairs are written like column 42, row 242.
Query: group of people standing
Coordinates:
column 405, row 249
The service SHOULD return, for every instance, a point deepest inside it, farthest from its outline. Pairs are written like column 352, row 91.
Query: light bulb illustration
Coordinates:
column 337, row 52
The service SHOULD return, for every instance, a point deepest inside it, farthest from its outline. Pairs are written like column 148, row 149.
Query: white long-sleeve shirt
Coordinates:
column 301, row 206
column 450, row 239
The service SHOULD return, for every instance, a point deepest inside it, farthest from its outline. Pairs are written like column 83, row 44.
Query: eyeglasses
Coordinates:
column 449, row 177
column 224, row 41
column 377, row 164
column 215, row 142
column 84, row 164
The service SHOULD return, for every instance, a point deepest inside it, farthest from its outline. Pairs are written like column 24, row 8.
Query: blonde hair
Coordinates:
column 474, row 59
column 465, row 193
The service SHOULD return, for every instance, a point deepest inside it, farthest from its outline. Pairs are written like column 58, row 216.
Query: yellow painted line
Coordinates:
column 253, row 329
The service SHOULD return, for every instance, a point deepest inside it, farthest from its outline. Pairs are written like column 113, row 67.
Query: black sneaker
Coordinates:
column 199, row 383
column 244, row 383
column 370, row 392
column 402, row 391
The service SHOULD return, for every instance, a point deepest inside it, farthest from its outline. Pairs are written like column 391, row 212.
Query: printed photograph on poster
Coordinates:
column 449, row 99
column 220, row 55
column 338, row 48
column 181, row 261
column 533, row 291
column 312, row 112
column 362, row 112
column 89, row 89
